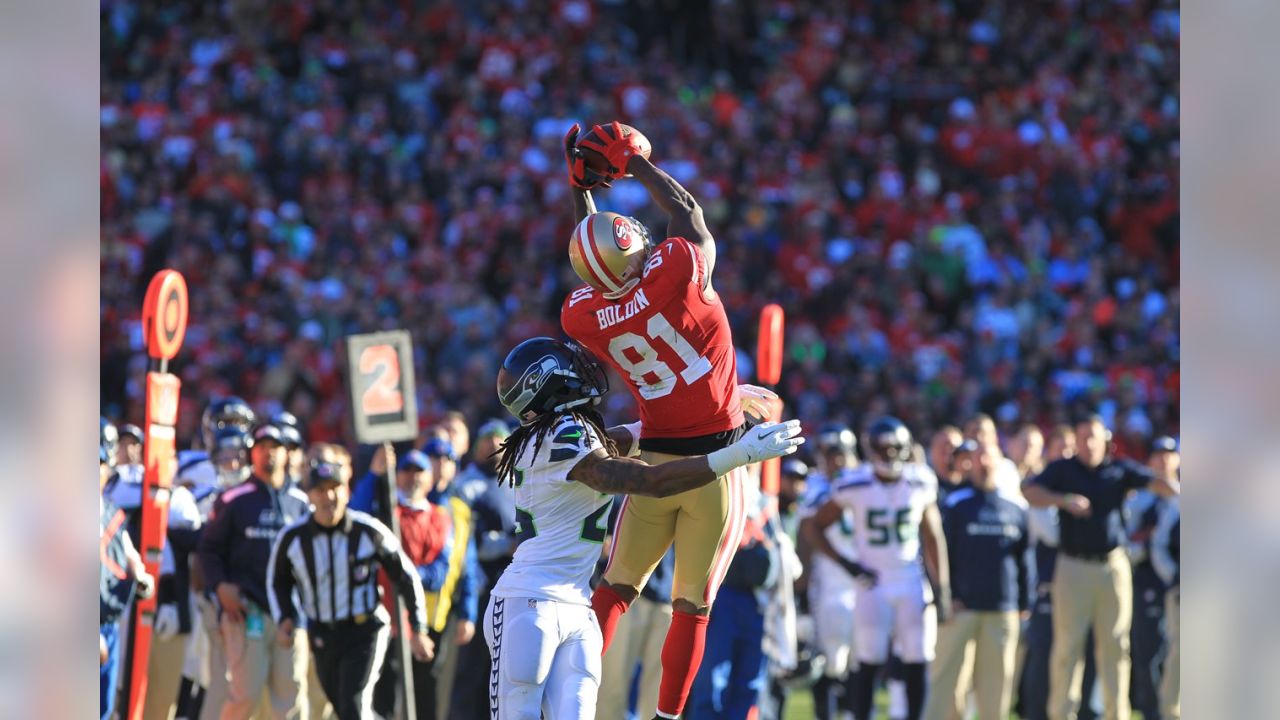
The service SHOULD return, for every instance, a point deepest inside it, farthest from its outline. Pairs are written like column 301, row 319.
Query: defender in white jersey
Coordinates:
column 832, row 591
column 564, row 469
column 893, row 503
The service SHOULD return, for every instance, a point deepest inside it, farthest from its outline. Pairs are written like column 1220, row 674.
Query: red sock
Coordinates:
column 681, row 656
column 608, row 606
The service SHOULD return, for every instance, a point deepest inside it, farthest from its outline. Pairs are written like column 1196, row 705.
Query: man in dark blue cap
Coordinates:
column 444, row 466
column 234, row 552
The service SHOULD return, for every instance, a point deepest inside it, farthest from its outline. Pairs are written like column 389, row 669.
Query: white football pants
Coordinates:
column 896, row 610
column 546, row 658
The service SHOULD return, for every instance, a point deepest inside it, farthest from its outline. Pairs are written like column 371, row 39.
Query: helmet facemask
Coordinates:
column 592, row 381
column 231, row 464
column 888, row 456
column 636, row 262
column 563, row 377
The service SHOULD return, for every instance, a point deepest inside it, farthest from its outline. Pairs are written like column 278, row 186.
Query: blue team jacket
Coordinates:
column 235, row 545
column 987, row 548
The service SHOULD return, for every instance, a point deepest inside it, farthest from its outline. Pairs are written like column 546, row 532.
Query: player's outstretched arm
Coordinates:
column 604, row 473
column 607, row 474
column 684, row 213
column 583, row 204
column 581, row 178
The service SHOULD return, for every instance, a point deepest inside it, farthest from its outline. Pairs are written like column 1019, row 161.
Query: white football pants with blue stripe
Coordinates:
column 546, row 659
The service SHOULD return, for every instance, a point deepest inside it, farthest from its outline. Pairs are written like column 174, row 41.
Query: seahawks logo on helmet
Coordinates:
column 544, row 375
column 533, row 379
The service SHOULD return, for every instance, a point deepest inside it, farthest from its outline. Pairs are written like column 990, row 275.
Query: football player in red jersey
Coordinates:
column 650, row 311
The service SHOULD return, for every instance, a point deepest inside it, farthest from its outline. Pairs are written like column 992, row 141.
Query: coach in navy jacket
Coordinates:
column 234, row 552
column 236, row 543
column 986, row 535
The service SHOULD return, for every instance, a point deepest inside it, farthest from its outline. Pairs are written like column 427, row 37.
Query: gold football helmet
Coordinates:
column 608, row 251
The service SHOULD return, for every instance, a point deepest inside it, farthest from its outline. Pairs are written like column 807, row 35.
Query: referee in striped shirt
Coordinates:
column 331, row 558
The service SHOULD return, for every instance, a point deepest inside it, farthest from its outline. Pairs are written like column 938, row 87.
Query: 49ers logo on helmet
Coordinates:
column 623, row 233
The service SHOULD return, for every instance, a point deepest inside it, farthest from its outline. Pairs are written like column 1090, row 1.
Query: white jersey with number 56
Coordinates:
column 886, row 517
column 560, row 523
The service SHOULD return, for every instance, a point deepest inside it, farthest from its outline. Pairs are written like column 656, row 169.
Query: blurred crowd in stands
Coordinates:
column 962, row 205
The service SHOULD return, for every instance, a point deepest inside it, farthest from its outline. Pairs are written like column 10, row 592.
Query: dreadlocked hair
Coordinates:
column 514, row 446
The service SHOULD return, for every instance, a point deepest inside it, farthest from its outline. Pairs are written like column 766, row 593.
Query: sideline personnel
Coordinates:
column 986, row 533
column 331, row 558
column 233, row 552
column 1093, row 583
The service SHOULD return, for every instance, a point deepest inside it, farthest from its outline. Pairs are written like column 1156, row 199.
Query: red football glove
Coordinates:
column 617, row 149
column 580, row 176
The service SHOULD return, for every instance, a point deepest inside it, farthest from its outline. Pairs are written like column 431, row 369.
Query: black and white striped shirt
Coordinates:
column 335, row 572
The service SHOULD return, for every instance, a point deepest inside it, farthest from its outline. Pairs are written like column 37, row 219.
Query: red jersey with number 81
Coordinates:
column 668, row 340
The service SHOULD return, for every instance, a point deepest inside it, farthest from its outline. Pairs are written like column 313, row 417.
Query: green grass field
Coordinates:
column 799, row 706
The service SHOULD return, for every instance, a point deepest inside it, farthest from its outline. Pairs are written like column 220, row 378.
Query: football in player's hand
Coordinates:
column 606, row 151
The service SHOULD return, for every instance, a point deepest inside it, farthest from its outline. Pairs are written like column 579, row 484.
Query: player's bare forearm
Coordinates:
column 583, row 204
column 679, row 204
column 935, row 547
column 626, row 476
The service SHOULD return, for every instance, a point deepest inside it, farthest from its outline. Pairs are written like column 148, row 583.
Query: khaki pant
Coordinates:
column 964, row 681
column 705, row 523
column 1097, row 594
column 638, row 638
column 206, row 642
column 164, row 676
column 1170, row 700
column 989, row 640
column 258, row 663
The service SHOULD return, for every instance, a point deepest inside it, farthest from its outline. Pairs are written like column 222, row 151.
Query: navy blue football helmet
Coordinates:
column 223, row 412
column 543, row 375
column 887, row 444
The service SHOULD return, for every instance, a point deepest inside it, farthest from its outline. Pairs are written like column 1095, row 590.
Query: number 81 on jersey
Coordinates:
column 653, row 377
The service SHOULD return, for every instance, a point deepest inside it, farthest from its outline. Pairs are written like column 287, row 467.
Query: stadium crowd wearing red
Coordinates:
column 962, row 206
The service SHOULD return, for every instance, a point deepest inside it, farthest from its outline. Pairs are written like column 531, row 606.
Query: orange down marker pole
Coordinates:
column 164, row 323
column 769, row 373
